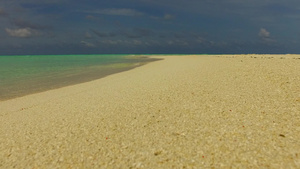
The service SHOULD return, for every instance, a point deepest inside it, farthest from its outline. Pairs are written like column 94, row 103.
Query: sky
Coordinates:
column 149, row 26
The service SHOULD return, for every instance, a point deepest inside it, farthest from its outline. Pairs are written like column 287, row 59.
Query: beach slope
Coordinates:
column 240, row 111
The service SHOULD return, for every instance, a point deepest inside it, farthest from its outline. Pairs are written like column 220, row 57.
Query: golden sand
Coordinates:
column 239, row 111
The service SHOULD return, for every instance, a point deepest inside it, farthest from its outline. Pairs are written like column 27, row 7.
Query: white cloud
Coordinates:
column 20, row 33
column 263, row 33
column 265, row 36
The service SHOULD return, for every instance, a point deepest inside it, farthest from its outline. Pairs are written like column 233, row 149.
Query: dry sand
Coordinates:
column 239, row 111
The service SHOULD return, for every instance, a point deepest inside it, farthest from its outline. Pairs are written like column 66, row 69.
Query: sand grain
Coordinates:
column 240, row 111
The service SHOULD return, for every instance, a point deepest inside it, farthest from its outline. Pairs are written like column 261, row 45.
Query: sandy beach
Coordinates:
column 220, row 111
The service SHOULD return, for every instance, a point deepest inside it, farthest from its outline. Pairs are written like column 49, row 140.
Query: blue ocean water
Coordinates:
column 22, row 75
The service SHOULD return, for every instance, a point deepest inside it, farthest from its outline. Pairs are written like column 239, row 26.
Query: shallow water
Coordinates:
column 23, row 75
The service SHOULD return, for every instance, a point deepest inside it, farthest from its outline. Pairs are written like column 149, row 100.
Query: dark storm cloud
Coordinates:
column 100, row 34
column 118, row 11
column 281, row 9
column 128, row 12
column 133, row 33
column 103, row 34
column 3, row 13
column 168, row 17
column 151, row 26
column 229, row 8
column 88, row 44
column 138, row 33
column 26, row 24
column 143, row 31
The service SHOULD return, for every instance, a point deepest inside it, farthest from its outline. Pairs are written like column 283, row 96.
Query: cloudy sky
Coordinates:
column 149, row 26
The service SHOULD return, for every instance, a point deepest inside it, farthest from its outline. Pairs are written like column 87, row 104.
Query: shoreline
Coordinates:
column 79, row 80
column 64, row 79
column 180, row 112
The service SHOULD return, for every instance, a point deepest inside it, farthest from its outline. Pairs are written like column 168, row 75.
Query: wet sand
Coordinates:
column 37, row 83
column 239, row 111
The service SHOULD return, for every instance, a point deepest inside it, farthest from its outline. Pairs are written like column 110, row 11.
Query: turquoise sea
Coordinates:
column 23, row 75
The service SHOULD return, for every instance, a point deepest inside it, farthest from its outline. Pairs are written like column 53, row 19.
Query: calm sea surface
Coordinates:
column 23, row 75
